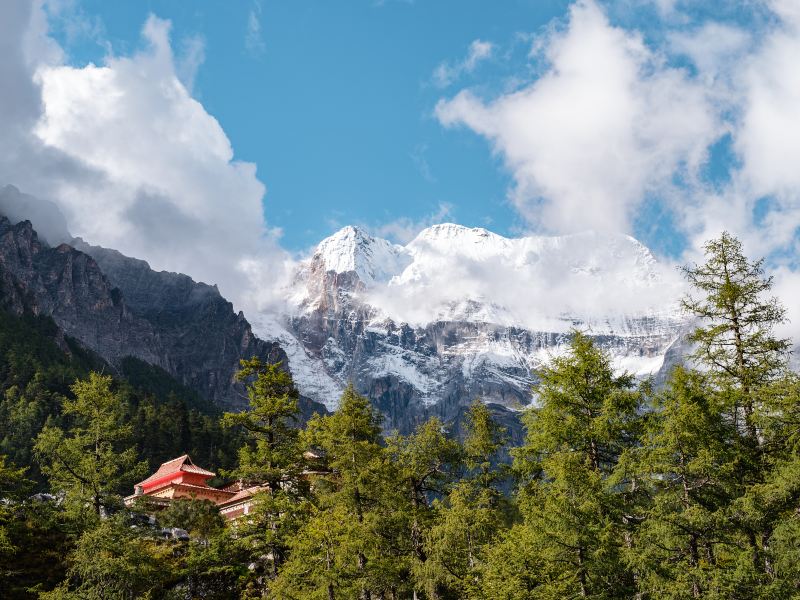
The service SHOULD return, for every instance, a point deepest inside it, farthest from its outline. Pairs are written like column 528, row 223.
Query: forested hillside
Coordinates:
column 619, row 489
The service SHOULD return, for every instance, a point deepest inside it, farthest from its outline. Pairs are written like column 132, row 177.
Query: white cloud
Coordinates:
column 756, row 84
column 189, row 60
column 446, row 73
column 541, row 283
column 133, row 161
column 253, row 39
column 610, row 124
column 605, row 124
column 405, row 229
column 714, row 48
column 768, row 137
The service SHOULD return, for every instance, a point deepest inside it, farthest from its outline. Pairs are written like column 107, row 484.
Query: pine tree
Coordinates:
column 685, row 465
column 12, row 484
column 470, row 516
column 271, row 453
column 93, row 461
column 425, row 462
column 747, row 363
column 338, row 547
column 116, row 561
column 735, row 339
column 573, row 508
column 271, row 458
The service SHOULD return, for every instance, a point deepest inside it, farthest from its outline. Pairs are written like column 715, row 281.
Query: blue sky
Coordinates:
column 334, row 101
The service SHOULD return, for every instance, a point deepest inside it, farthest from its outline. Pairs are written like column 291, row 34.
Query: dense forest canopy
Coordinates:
column 619, row 490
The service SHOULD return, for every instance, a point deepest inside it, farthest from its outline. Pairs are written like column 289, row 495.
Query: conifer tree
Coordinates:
column 684, row 464
column 12, row 481
column 271, row 454
column 272, row 459
column 116, row 561
column 426, row 462
column 338, row 546
column 93, row 461
column 747, row 364
column 574, row 514
column 735, row 339
column 470, row 516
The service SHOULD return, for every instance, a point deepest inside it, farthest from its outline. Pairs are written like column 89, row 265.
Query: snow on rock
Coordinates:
column 352, row 249
column 460, row 313
column 308, row 373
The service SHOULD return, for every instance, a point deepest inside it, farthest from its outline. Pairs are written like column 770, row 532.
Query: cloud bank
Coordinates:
column 607, row 124
column 615, row 124
column 133, row 161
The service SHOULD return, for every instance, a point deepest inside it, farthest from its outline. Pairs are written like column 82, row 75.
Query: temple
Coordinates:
column 181, row 478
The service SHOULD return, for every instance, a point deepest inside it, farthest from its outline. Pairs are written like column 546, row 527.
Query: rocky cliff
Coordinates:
column 460, row 314
column 117, row 307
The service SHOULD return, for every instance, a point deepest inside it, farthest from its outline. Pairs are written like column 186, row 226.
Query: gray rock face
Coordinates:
column 412, row 373
column 438, row 367
column 203, row 338
column 68, row 286
column 117, row 307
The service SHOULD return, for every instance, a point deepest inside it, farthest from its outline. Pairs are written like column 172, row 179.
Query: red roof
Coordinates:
column 176, row 465
column 245, row 493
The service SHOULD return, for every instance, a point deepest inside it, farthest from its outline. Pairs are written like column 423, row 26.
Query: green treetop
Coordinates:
column 270, row 424
column 336, row 553
column 425, row 463
column 470, row 516
column 735, row 338
column 575, row 526
column 685, row 465
column 271, row 457
column 93, row 461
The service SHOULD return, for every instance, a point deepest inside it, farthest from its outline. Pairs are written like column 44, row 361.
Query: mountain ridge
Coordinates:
column 422, row 329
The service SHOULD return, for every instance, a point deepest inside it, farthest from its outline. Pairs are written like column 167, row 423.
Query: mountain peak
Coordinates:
column 351, row 249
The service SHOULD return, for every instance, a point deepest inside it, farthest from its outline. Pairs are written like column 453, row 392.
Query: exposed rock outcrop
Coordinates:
column 117, row 306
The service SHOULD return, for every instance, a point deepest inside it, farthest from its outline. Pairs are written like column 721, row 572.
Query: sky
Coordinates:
column 224, row 139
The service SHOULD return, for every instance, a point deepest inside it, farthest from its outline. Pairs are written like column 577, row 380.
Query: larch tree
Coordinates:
column 271, row 459
column 337, row 547
column 747, row 362
column 684, row 466
column 426, row 463
column 92, row 461
column 470, row 516
column 735, row 338
column 574, row 509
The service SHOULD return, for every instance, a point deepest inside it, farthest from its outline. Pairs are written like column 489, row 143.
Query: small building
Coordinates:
column 179, row 478
column 242, row 501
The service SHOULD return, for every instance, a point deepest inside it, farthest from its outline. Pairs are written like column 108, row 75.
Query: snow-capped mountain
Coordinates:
column 460, row 313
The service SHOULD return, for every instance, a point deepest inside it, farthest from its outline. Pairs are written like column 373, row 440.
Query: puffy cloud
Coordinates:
column 449, row 272
column 447, row 73
column 611, row 124
column 607, row 123
column 768, row 138
column 756, row 86
column 133, row 161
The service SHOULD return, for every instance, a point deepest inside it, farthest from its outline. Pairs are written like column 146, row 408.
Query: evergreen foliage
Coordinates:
column 272, row 458
column 92, row 461
column 619, row 490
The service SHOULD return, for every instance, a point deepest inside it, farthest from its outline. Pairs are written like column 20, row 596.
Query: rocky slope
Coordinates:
column 117, row 307
column 460, row 313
